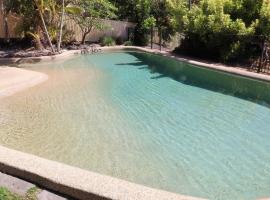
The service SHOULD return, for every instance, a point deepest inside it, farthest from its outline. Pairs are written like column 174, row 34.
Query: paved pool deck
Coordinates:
column 72, row 181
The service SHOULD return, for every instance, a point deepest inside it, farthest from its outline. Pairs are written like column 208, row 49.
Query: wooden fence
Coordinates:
column 116, row 29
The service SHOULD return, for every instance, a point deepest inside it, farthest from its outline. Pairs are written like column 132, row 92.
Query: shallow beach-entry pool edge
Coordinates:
column 75, row 182
column 14, row 80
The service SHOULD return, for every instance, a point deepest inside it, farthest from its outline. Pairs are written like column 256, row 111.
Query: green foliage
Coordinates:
column 226, row 30
column 264, row 20
column 107, row 41
column 27, row 11
column 142, row 12
column 31, row 194
column 164, row 14
column 128, row 43
column 149, row 22
column 222, row 29
column 7, row 195
column 38, row 17
column 178, row 9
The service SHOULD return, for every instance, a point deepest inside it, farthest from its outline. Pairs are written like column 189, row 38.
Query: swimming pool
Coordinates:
column 150, row 120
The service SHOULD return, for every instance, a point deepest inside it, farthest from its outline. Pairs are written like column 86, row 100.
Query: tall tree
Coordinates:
column 149, row 24
column 135, row 11
column 59, row 41
column 163, row 14
column 5, row 17
column 264, row 20
column 91, row 15
column 41, row 8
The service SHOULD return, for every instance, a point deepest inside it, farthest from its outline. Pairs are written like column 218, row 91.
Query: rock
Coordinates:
column 73, row 47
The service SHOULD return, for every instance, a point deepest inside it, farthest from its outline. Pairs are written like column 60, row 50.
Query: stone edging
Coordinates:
column 75, row 182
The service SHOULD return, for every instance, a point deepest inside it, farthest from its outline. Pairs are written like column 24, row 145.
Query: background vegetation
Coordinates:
column 224, row 30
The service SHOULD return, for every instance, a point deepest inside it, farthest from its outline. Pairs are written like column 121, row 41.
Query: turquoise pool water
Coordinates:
column 149, row 120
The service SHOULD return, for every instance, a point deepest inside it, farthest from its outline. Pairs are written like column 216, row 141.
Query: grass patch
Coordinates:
column 5, row 194
column 31, row 194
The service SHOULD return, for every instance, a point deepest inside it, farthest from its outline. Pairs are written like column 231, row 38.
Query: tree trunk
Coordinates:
column 262, row 57
column 189, row 4
column 5, row 21
column 46, row 31
column 38, row 44
column 160, row 39
column 85, row 33
column 6, row 28
column 83, row 38
column 61, row 27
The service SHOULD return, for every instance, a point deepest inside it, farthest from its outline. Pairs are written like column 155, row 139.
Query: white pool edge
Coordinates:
column 75, row 182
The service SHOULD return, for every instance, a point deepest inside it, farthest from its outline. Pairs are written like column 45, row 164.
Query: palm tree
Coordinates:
column 5, row 19
column 40, row 7
column 61, row 27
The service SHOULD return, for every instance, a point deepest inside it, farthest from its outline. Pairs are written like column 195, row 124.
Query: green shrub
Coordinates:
column 119, row 41
column 128, row 43
column 140, row 36
column 222, row 30
column 7, row 195
column 107, row 41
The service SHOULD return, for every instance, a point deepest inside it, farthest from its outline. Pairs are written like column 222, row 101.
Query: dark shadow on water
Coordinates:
column 158, row 76
column 139, row 63
column 143, row 68
column 228, row 84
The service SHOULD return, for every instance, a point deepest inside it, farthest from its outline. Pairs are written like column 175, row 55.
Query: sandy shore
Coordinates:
column 13, row 80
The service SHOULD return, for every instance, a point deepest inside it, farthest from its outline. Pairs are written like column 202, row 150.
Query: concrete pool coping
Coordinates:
column 83, row 184
column 75, row 182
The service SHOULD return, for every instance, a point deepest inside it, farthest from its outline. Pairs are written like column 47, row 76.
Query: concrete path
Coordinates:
column 21, row 187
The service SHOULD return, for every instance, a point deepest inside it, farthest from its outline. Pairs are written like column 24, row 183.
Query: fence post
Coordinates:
column 160, row 39
column 262, row 56
column 152, row 31
column 189, row 4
